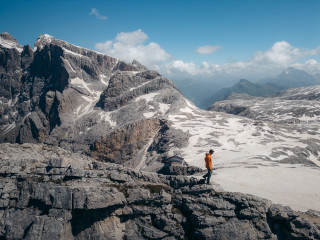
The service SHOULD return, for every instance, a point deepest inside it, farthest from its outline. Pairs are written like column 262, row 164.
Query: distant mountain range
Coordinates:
column 290, row 78
column 294, row 78
column 195, row 89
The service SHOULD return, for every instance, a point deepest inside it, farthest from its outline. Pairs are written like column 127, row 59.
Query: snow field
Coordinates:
column 296, row 186
column 243, row 160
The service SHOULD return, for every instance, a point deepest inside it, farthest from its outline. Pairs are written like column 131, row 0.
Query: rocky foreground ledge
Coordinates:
column 50, row 193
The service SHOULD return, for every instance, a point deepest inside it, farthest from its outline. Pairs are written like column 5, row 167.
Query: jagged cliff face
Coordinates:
column 79, row 99
column 50, row 193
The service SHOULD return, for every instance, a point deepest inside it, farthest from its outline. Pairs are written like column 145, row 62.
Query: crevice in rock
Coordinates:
column 69, row 178
column 26, row 231
column 279, row 227
column 40, row 205
column 187, row 225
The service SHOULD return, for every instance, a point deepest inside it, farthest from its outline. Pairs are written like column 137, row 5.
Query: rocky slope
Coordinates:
column 63, row 95
column 50, row 193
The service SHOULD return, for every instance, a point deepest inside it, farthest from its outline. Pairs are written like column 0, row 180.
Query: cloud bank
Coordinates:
column 262, row 64
column 128, row 46
column 132, row 45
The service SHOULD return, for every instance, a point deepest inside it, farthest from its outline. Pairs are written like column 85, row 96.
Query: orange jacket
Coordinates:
column 208, row 161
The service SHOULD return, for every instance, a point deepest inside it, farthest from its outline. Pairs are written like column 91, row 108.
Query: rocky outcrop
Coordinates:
column 126, row 145
column 123, row 88
column 176, row 169
column 81, row 100
column 50, row 193
column 48, row 82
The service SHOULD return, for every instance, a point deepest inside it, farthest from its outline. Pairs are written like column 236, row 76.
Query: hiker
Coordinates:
column 208, row 165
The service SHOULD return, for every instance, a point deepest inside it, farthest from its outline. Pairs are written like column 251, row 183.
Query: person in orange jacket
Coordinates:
column 208, row 160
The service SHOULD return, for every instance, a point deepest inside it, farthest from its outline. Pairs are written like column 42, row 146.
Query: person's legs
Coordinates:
column 205, row 176
column 209, row 176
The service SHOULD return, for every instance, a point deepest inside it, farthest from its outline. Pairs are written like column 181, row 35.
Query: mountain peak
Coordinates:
column 138, row 65
column 7, row 41
column 42, row 40
column 291, row 70
column 45, row 38
column 8, row 37
column 244, row 81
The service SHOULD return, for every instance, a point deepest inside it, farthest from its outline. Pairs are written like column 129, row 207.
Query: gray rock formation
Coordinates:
column 179, row 169
column 78, row 99
column 50, row 193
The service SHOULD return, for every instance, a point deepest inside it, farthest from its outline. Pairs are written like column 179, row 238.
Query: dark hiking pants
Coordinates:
column 208, row 176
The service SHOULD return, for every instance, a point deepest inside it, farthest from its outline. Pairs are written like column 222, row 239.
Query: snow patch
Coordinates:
column 147, row 97
column 48, row 38
column 191, row 105
column 80, row 83
column 163, row 108
column 186, row 110
column 149, row 114
column 68, row 63
column 104, row 79
column 91, row 99
column 106, row 116
column 117, row 60
column 10, row 44
column 73, row 53
column 138, row 86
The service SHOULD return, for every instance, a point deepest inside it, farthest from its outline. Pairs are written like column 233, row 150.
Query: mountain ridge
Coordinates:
column 76, row 97
column 289, row 78
column 117, row 112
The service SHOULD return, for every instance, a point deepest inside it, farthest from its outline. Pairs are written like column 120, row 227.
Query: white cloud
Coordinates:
column 132, row 38
column 97, row 14
column 281, row 53
column 263, row 64
column 178, row 67
column 207, row 49
column 131, row 45
column 128, row 46
column 311, row 66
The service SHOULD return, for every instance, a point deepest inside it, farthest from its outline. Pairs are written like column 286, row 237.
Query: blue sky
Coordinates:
column 197, row 39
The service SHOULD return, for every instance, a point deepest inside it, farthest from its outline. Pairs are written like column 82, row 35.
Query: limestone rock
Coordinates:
column 50, row 193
